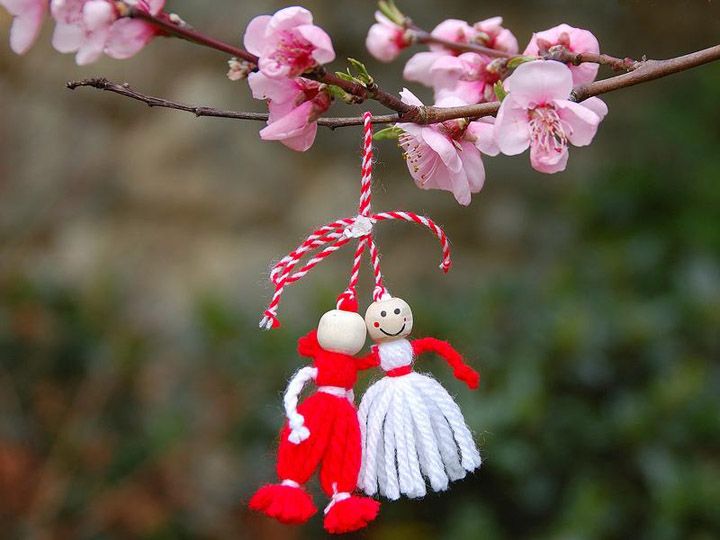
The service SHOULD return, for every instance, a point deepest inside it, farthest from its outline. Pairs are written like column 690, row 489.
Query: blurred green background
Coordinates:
column 139, row 400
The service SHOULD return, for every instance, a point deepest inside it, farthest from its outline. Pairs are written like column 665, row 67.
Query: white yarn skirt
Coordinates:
column 412, row 430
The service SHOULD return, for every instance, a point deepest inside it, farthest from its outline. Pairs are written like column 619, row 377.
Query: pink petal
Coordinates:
column 579, row 123
column 465, row 91
column 443, row 146
column 506, row 41
column 255, row 39
column 26, row 27
column 450, row 101
column 98, row 15
column 381, row 42
column 323, row 48
column 585, row 73
column 408, row 97
column 303, row 140
column 578, row 41
column 91, row 49
column 512, row 128
column 289, row 125
column 278, row 90
column 67, row 37
column 289, row 17
column 482, row 134
column 272, row 68
column 474, row 169
column 155, row 6
column 540, row 82
column 127, row 37
column 452, row 30
column 549, row 162
column 418, row 67
column 460, row 186
column 596, row 105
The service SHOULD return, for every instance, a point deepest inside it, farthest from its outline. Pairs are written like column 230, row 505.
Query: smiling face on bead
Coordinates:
column 389, row 319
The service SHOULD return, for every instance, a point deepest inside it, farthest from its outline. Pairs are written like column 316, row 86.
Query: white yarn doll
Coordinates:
column 411, row 428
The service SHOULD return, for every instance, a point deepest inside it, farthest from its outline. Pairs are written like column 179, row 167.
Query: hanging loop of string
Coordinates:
column 329, row 238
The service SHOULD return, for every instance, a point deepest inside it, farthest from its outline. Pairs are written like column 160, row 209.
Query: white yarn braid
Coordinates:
column 428, row 448
column 417, row 485
column 390, row 487
column 298, row 431
column 373, row 448
column 448, row 448
column 412, row 430
column 434, row 392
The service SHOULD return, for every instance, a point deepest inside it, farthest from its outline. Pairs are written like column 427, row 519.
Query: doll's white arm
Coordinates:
column 296, row 422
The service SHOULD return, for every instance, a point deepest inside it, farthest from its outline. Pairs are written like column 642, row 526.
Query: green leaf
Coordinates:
column 515, row 61
column 389, row 133
column 362, row 71
column 345, row 76
column 500, row 91
column 391, row 11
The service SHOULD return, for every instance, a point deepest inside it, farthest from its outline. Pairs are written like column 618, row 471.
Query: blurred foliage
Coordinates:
column 590, row 301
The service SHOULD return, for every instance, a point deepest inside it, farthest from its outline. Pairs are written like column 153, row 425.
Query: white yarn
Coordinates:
column 336, row 497
column 373, row 409
column 298, row 431
column 412, row 430
column 435, row 393
column 394, row 354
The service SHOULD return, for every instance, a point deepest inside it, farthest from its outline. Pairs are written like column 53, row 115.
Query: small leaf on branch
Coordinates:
column 391, row 11
column 339, row 93
column 500, row 91
column 362, row 71
column 346, row 76
column 518, row 60
column 389, row 133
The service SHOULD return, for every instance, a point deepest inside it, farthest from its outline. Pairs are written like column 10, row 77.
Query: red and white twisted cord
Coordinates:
column 335, row 235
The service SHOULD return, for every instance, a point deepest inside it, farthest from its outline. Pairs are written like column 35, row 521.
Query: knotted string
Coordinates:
column 333, row 236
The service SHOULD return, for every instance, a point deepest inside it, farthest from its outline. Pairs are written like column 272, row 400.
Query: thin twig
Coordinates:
column 422, row 36
column 198, row 110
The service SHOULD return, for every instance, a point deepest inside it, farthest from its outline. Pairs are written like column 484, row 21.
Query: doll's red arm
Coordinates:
column 461, row 370
column 308, row 345
column 370, row 360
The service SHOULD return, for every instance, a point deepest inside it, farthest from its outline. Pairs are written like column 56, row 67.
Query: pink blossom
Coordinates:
column 537, row 113
column 385, row 39
column 28, row 17
column 573, row 39
column 469, row 75
column 93, row 27
column 447, row 156
column 287, row 43
column 491, row 33
column 294, row 105
column 453, row 30
column 129, row 36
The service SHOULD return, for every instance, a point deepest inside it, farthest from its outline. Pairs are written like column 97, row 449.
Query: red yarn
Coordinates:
column 333, row 447
column 443, row 349
column 400, row 371
column 287, row 504
column 351, row 514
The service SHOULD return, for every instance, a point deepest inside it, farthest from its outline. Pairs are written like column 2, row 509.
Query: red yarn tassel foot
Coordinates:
column 351, row 514
column 287, row 504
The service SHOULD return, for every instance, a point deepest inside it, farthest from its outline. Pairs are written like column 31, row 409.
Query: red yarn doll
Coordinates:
column 323, row 432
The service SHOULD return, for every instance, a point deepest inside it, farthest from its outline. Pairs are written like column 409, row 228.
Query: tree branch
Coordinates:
column 169, row 26
column 198, row 110
column 644, row 71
